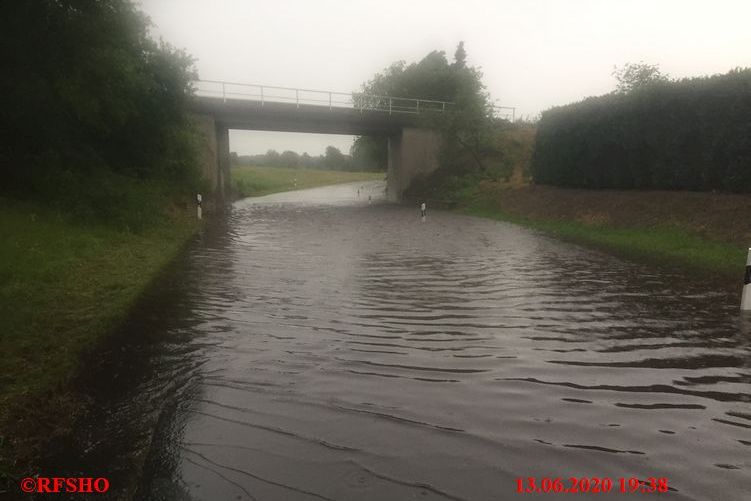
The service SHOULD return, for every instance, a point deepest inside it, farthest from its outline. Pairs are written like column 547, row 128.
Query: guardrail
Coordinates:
column 263, row 94
column 505, row 112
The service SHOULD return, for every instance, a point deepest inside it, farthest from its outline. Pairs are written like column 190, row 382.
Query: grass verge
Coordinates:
column 259, row 181
column 64, row 286
column 660, row 244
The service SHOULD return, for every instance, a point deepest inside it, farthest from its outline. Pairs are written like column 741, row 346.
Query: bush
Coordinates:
column 103, row 197
column 693, row 134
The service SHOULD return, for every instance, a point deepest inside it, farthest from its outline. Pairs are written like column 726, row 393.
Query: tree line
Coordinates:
column 93, row 109
column 361, row 158
column 651, row 133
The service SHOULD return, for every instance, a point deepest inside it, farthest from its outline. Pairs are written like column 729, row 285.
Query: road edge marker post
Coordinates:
column 746, row 295
column 199, row 199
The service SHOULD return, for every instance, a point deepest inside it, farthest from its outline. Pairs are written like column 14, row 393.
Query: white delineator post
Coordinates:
column 746, row 296
column 199, row 199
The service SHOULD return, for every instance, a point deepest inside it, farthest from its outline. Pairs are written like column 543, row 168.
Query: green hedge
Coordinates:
column 692, row 134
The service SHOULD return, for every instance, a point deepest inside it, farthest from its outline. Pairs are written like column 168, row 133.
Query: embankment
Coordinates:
column 708, row 232
column 64, row 287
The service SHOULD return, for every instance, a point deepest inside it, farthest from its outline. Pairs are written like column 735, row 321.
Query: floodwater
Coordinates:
column 314, row 345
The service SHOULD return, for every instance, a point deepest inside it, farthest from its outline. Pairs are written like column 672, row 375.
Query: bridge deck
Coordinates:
column 292, row 117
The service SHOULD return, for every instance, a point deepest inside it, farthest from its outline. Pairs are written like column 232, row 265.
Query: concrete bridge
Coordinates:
column 220, row 106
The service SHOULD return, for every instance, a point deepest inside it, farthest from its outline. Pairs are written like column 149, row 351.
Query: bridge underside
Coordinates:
column 412, row 150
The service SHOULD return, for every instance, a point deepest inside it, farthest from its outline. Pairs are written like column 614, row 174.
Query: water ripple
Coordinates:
column 367, row 355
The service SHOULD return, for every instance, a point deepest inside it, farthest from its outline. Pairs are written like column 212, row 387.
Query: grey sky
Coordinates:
column 535, row 54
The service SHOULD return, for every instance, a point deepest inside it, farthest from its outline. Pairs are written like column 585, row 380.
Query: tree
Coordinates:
column 460, row 56
column 369, row 153
column 467, row 128
column 430, row 78
column 633, row 76
column 85, row 92
column 273, row 158
column 334, row 158
column 289, row 159
column 306, row 161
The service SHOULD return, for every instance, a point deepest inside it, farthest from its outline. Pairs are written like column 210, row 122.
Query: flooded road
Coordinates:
column 317, row 346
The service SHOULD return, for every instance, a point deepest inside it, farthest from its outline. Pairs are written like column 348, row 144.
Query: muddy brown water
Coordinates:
column 313, row 345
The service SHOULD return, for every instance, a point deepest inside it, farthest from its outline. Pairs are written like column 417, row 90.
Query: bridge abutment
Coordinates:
column 214, row 154
column 223, row 162
column 411, row 153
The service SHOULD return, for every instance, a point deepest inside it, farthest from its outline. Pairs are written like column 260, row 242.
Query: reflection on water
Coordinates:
column 328, row 348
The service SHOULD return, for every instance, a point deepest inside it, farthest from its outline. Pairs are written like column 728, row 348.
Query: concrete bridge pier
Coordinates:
column 215, row 155
column 224, row 179
column 412, row 152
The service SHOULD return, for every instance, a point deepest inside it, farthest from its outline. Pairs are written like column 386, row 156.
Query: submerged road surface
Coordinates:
column 315, row 346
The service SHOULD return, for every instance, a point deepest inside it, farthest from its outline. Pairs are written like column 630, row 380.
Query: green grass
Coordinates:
column 63, row 287
column 258, row 181
column 669, row 245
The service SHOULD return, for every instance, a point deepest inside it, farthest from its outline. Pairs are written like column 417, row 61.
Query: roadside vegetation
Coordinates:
column 64, row 286
column 258, row 181
column 467, row 128
column 91, row 107
column 99, row 169
column 659, row 227
column 650, row 133
column 363, row 156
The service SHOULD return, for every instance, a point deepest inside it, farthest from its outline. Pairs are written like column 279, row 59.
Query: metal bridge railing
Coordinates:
column 263, row 94
column 505, row 112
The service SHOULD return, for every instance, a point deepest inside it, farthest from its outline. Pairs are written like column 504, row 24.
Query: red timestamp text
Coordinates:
column 593, row 485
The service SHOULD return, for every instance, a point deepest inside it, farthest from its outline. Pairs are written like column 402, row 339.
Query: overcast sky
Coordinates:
column 534, row 53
